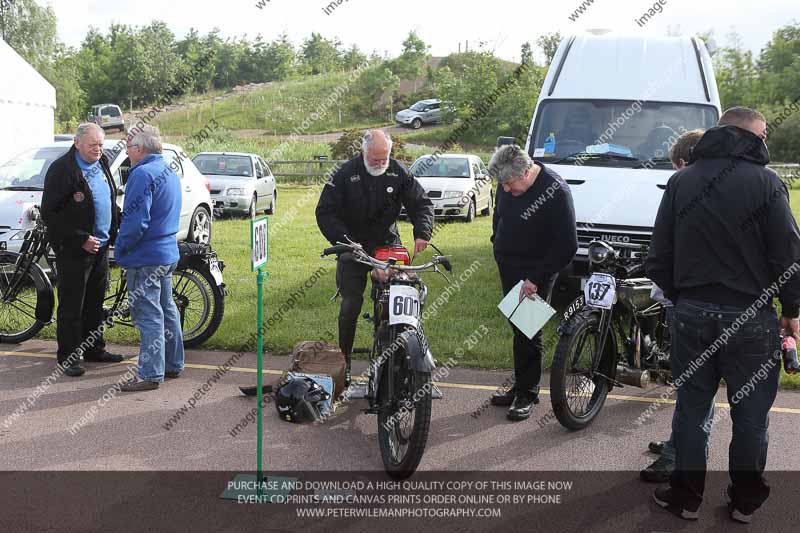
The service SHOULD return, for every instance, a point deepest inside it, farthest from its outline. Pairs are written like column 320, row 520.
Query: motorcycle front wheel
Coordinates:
column 404, row 418
column 578, row 395
column 18, row 322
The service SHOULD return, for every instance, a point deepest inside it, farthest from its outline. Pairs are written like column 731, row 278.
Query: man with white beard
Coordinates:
column 361, row 202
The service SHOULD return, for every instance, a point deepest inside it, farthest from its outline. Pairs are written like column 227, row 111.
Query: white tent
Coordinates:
column 27, row 105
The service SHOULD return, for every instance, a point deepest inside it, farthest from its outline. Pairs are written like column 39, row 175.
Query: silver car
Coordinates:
column 423, row 112
column 107, row 116
column 241, row 183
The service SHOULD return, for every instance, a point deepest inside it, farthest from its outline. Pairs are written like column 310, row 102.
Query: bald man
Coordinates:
column 361, row 202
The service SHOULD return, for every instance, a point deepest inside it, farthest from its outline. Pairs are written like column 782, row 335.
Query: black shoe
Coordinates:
column 522, row 406
column 103, row 357
column 138, row 386
column 735, row 513
column 657, row 447
column 172, row 374
column 663, row 497
column 347, row 371
column 74, row 370
column 659, row 471
column 503, row 398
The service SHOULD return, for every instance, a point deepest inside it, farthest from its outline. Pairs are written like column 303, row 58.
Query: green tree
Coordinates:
column 411, row 63
column 779, row 65
column 31, row 30
column 548, row 43
column 526, row 54
column 737, row 78
column 321, row 55
column 353, row 58
column 369, row 96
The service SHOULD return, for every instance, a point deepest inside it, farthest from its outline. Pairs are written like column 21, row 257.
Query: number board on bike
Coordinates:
column 600, row 290
column 404, row 305
column 258, row 243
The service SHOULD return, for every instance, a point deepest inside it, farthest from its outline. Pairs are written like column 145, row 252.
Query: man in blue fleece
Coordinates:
column 147, row 248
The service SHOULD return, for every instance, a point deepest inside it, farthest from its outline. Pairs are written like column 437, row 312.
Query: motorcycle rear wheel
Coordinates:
column 18, row 322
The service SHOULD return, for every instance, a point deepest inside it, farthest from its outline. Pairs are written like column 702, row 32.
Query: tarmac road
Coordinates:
column 127, row 432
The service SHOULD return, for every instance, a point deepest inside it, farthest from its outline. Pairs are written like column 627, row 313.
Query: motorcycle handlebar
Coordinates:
column 338, row 249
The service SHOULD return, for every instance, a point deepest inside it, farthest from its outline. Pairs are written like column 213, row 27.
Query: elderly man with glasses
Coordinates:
column 148, row 249
column 78, row 206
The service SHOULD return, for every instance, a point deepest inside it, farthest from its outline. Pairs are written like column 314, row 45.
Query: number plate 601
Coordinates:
column 404, row 305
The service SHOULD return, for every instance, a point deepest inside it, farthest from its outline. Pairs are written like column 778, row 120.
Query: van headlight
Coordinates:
column 452, row 194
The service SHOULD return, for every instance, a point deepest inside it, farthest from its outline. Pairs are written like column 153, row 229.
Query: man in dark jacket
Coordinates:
column 725, row 243
column 79, row 208
column 361, row 202
column 534, row 238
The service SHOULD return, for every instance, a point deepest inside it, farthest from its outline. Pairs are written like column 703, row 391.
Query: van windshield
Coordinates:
column 616, row 133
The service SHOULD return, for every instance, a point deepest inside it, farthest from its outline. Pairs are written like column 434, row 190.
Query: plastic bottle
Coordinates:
column 550, row 143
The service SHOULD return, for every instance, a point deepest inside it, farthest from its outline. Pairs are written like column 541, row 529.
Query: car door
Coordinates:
column 268, row 183
column 187, row 203
column 260, row 185
column 483, row 183
column 435, row 114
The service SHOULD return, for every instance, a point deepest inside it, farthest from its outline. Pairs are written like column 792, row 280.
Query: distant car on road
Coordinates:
column 459, row 185
column 107, row 116
column 22, row 183
column 423, row 112
column 241, row 183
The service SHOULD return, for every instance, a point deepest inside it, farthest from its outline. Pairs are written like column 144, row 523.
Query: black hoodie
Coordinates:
column 724, row 232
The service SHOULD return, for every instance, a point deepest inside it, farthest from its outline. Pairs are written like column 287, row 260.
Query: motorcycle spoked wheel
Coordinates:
column 576, row 398
column 405, row 419
column 18, row 322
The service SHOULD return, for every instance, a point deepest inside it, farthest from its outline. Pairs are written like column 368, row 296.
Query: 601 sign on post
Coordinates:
column 258, row 243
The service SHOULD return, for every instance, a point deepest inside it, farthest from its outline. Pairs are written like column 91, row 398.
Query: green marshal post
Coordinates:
column 258, row 260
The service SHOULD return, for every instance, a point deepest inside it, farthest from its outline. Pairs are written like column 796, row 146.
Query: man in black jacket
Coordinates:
column 361, row 202
column 79, row 208
column 721, row 256
column 534, row 238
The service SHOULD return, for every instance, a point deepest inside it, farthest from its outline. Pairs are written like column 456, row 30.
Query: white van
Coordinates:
column 610, row 108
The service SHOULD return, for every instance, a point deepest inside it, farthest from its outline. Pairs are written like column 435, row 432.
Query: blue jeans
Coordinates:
column 156, row 316
column 705, row 348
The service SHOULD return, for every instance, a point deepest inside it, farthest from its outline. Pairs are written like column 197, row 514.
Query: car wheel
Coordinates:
column 200, row 226
column 488, row 210
column 274, row 205
column 251, row 213
column 416, row 123
column 471, row 212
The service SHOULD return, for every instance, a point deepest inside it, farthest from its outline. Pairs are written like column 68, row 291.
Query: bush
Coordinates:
column 349, row 146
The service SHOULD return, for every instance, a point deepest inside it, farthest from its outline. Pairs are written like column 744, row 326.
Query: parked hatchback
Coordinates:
column 107, row 116
column 459, row 185
column 241, row 183
column 22, row 182
column 423, row 112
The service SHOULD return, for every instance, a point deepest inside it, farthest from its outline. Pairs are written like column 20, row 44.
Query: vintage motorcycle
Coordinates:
column 614, row 334
column 399, row 387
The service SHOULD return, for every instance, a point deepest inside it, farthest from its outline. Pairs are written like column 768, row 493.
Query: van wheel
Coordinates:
column 416, row 123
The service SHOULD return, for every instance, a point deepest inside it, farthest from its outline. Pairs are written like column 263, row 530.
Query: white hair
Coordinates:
column 85, row 128
column 369, row 138
column 149, row 139
column 509, row 162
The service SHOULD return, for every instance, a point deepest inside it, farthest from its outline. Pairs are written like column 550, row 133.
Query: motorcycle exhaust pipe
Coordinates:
column 633, row 376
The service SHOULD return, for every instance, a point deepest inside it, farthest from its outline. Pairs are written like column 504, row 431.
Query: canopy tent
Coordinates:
column 27, row 105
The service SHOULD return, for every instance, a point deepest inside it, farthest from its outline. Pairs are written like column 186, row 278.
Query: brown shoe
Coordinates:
column 138, row 386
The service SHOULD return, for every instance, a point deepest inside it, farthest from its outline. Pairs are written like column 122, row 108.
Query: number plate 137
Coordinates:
column 403, row 305
column 600, row 290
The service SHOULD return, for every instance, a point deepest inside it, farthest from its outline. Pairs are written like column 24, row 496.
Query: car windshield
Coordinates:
column 419, row 106
column 633, row 132
column 224, row 165
column 28, row 169
column 444, row 167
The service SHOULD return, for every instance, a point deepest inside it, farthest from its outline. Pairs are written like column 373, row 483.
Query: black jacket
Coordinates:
column 365, row 207
column 68, row 205
column 724, row 232
column 537, row 229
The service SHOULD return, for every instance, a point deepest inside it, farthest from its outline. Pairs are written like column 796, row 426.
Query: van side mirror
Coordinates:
column 503, row 141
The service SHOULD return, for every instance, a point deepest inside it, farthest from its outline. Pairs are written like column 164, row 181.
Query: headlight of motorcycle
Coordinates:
column 599, row 252
column 452, row 194
column 235, row 192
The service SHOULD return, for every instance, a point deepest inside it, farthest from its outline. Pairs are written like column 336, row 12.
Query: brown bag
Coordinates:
column 316, row 357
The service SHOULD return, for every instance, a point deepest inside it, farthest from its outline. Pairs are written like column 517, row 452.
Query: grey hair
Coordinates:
column 85, row 128
column 149, row 138
column 509, row 162
column 369, row 138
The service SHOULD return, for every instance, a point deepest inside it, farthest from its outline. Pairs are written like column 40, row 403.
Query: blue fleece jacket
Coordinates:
column 150, row 215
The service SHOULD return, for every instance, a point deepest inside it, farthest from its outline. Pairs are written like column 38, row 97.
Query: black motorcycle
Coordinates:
column 614, row 334
column 27, row 299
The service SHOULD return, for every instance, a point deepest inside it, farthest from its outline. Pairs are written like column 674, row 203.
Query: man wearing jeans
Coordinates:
column 147, row 248
column 724, row 243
